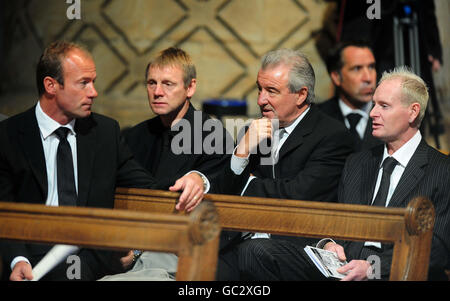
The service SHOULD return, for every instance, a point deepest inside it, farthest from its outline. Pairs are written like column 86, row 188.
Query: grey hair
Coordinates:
column 301, row 73
column 414, row 88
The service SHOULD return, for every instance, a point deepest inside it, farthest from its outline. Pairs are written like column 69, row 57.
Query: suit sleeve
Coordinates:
column 129, row 172
column 8, row 249
column 440, row 245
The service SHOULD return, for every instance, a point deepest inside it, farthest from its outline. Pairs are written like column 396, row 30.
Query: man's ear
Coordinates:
column 302, row 95
column 50, row 85
column 191, row 88
column 335, row 78
column 414, row 112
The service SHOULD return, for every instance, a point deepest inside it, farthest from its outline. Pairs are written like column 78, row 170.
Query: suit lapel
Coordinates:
column 30, row 139
column 86, row 145
column 413, row 173
column 303, row 128
column 337, row 110
column 370, row 172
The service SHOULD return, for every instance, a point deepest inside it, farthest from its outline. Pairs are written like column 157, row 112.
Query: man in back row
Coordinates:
column 60, row 153
column 351, row 66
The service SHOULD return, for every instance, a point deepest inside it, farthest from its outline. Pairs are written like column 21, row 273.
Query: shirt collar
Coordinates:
column 364, row 111
column 293, row 125
column 47, row 125
column 406, row 151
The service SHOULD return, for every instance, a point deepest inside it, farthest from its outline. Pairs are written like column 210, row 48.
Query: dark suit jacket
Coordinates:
column 144, row 141
column 332, row 109
column 309, row 166
column 427, row 174
column 104, row 162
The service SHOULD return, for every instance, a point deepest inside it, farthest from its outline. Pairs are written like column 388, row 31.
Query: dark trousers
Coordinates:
column 266, row 260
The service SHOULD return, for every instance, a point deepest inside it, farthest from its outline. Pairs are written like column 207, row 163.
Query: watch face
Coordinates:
column 137, row 253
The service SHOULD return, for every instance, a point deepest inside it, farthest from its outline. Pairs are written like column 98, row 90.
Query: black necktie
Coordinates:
column 67, row 195
column 353, row 119
column 388, row 166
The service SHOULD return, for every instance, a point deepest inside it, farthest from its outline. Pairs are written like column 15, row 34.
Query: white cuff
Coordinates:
column 246, row 185
column 323, row 242
column 17, row 259
column 238, row 164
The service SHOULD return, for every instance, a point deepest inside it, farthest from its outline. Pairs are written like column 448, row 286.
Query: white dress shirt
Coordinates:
column 364, row 112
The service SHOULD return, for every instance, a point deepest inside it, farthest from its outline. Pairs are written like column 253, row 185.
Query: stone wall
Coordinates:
column 226, row 39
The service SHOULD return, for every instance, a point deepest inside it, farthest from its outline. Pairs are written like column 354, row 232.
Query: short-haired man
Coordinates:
column 390, row 175
column 61, row 153
column 308, row 154
column 351, row 66
column 171, row 82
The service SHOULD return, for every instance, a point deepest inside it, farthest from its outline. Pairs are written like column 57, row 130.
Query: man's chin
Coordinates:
column 268, row 114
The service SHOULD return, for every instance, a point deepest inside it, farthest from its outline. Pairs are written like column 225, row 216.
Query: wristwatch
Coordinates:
column 136, row 254
column 205, row 181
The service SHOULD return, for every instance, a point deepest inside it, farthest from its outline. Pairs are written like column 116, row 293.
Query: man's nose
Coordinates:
column 158, row 90
column 93, row 92
column 367, row 75
column 262, row 98
column 373, row 112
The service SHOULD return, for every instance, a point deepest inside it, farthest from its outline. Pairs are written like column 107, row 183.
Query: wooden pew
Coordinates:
column 409, row 229
column 194, row 237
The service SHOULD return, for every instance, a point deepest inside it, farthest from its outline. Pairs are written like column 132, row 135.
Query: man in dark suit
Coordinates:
column 308, row 150
column 60, row 153
column 351, row 66
column 156, row 144
column 386, row 175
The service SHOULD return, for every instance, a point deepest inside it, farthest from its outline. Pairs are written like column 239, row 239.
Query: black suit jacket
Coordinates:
column 145, row 138
column 427, row 174
column 332, row 109
column 309, row 166
column 145, row 141
column 104, row 162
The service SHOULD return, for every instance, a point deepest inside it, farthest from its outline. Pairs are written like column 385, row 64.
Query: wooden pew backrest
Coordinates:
column 194, row 237
column 409, row 229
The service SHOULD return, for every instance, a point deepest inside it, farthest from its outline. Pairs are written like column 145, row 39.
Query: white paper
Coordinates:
column 55, row 256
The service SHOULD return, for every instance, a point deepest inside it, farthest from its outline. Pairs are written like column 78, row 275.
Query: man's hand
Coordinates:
column 259, row 130
column 338, row 249
column 192, row 187
column 435, row 64
column 127, row 260
column 356, row 270
column 22, row 271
